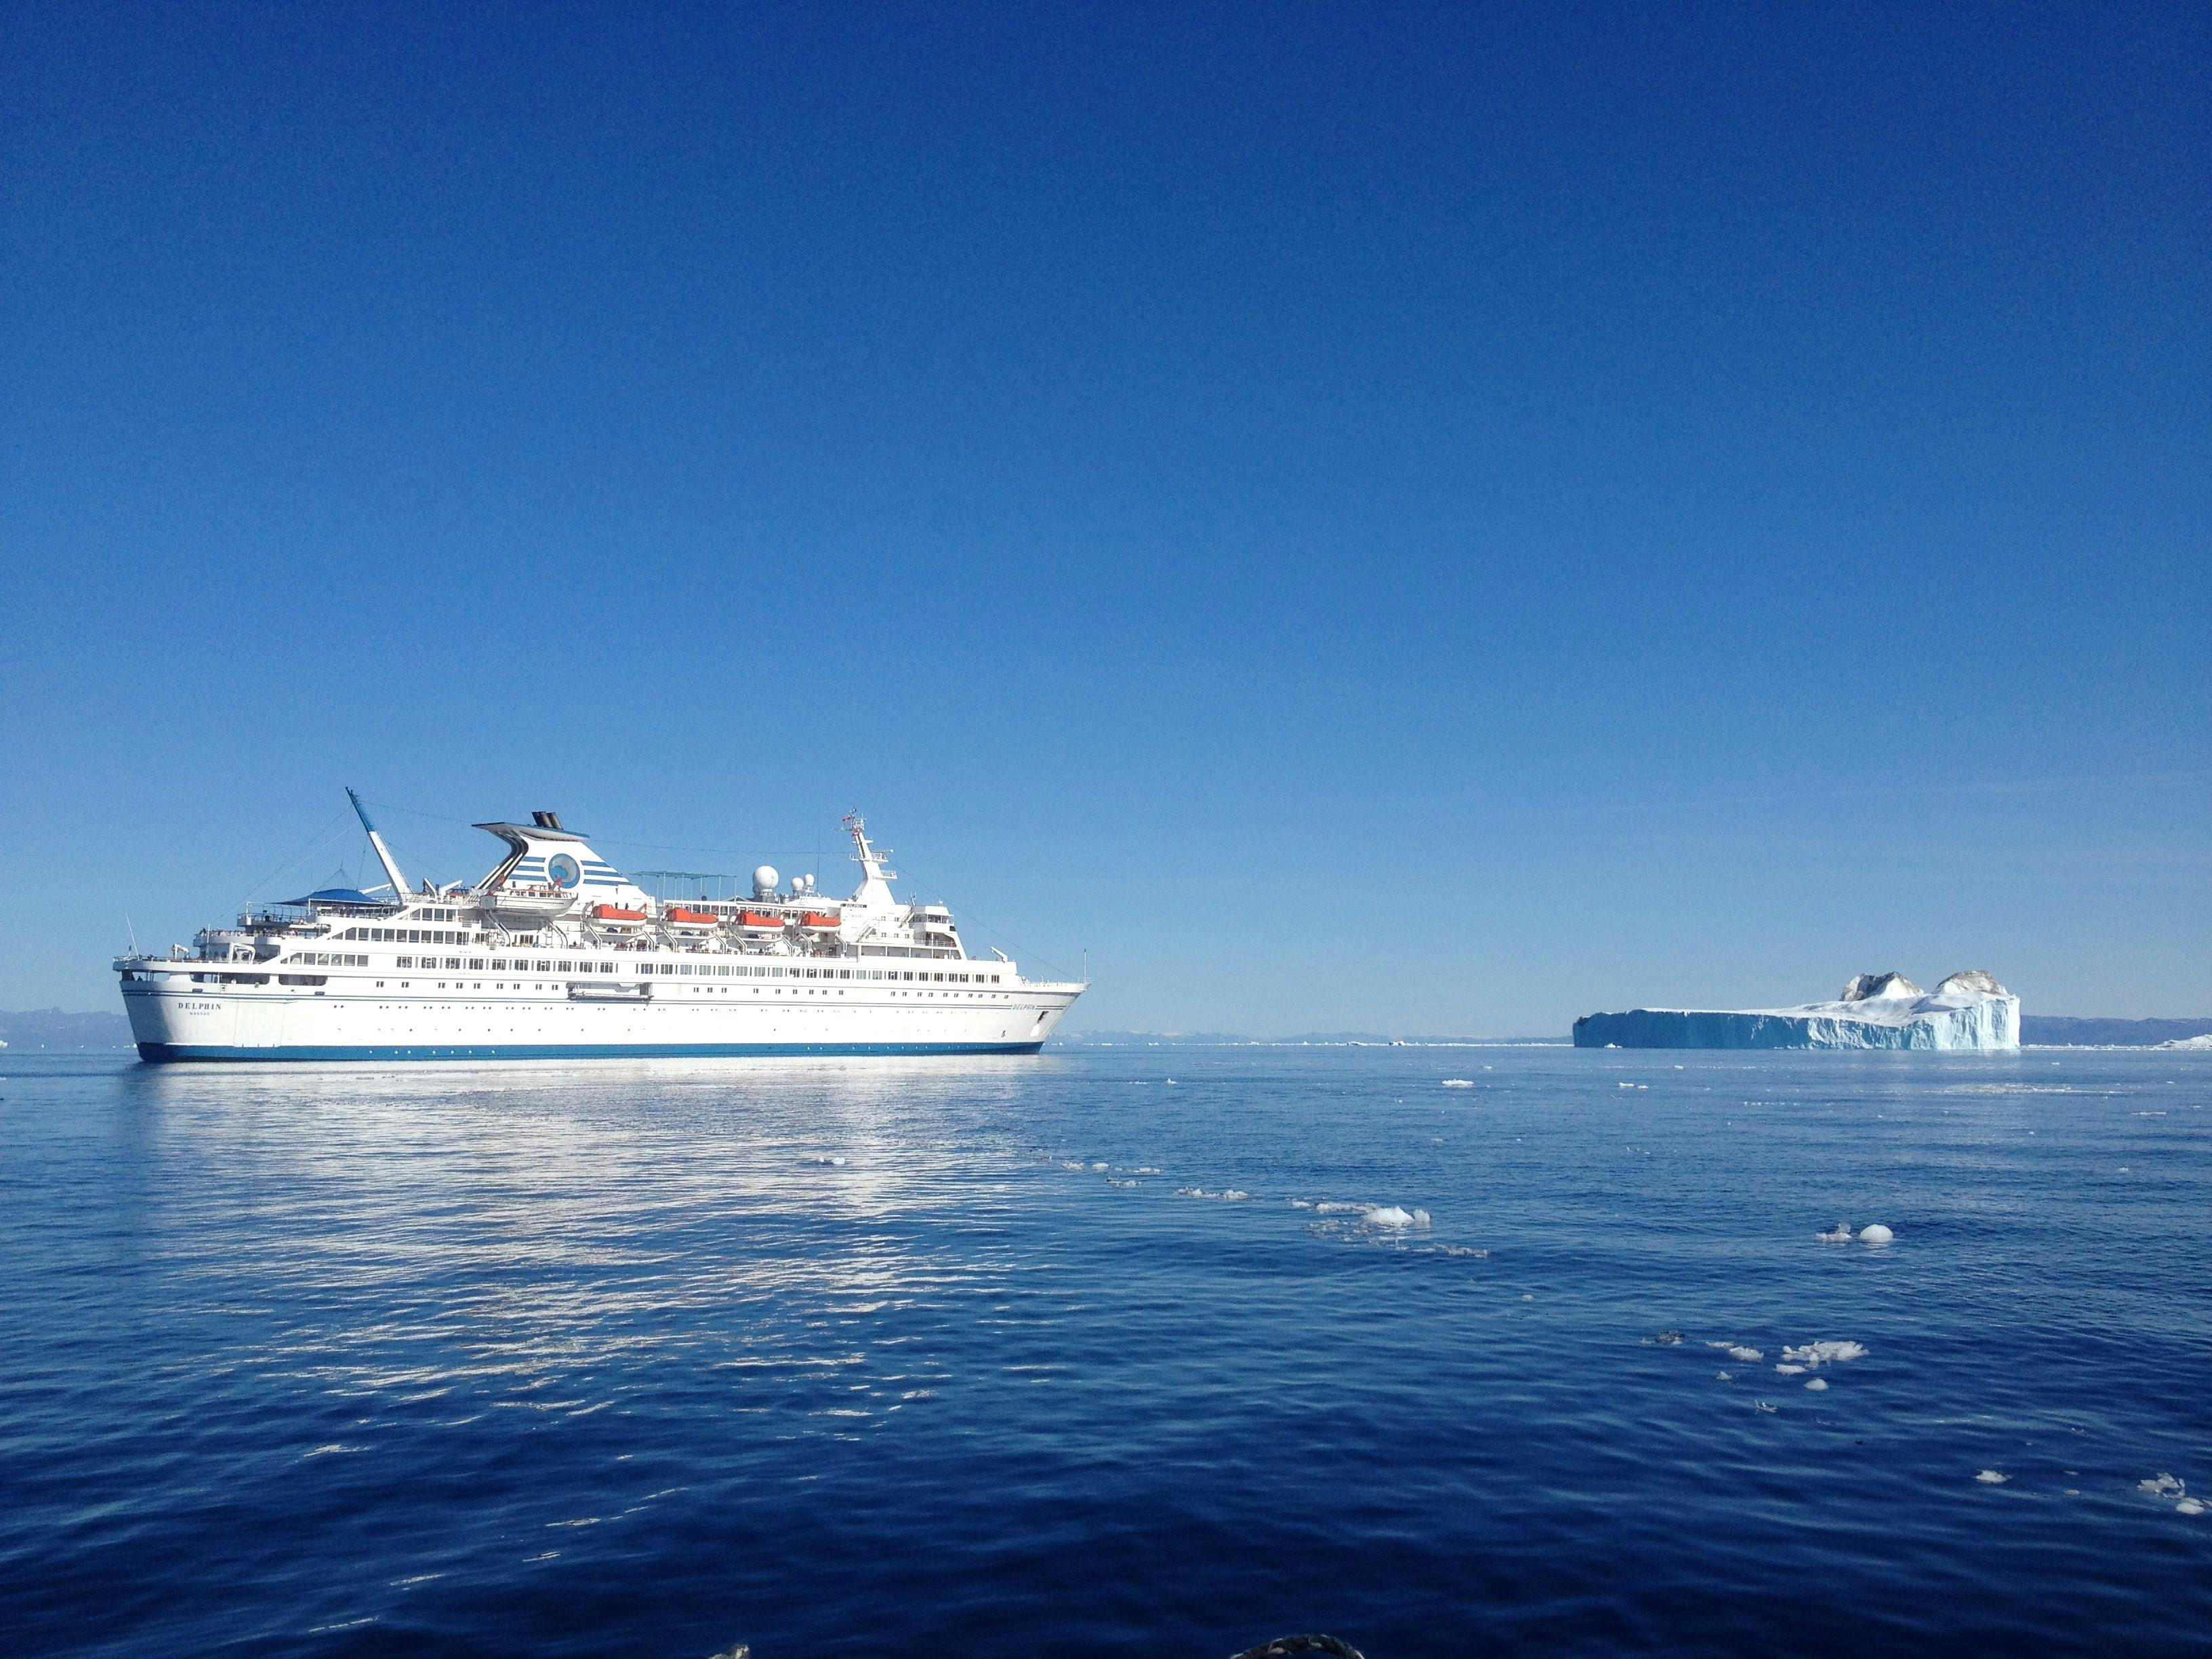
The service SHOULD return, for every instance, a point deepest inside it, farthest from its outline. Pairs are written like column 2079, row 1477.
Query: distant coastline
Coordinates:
column 53, row 1030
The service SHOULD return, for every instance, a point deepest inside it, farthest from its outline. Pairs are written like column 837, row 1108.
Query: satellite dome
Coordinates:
column 764, row 880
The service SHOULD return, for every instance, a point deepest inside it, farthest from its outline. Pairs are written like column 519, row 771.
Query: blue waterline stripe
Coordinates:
column 165, row 1053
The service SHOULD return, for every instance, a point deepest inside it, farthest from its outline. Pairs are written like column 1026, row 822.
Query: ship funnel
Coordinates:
column 546, row 820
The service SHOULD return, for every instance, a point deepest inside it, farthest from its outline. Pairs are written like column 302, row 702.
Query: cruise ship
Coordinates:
column 556, row 955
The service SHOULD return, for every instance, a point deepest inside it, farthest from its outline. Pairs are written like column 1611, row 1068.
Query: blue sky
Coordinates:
column 1395, row 518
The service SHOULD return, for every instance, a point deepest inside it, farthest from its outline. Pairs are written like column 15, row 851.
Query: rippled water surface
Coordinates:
column 950, row 1357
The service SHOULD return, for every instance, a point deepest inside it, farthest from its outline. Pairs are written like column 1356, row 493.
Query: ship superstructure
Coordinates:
column 557, row 954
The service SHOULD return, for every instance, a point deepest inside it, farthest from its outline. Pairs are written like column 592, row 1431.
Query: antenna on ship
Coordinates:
column 383, row 853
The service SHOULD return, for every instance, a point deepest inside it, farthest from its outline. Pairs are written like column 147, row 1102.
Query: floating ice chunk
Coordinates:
column 2188, row 1506
column 1389, row 1215
column 1331, row 1207
column 827, row 1161
column 1301, row 1203
column 2163, row 1486
column 1818, row 1384
column 1458, row 1083
column 1841, row 1236
column 1876, row 1234
column 1099, row 1169
column 1624, row 1085
column 1144, row 1168
column 1823, row 1353
column 1992, row 1477
column 1526, row 1298
column 1790, row 1370
column 1720, row 1377
column 1068, row 1164
column 1747, row 1355
column 1235, row 1194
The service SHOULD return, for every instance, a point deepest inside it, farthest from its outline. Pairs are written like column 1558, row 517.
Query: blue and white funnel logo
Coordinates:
column 563, row 871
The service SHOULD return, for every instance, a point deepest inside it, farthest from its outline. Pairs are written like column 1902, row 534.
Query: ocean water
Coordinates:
column 951, row 1357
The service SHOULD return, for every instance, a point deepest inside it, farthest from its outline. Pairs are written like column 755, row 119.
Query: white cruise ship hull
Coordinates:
column 173, row 1020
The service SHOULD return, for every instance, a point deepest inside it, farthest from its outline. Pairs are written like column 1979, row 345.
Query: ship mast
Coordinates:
column 383, row 852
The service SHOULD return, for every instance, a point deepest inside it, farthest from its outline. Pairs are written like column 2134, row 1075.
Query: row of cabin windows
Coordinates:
column 407, row 935
column 708, row 971
column 327, row 959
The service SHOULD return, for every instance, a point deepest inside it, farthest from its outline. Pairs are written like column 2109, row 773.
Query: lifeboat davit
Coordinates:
column 684, row 916
column 525, row 907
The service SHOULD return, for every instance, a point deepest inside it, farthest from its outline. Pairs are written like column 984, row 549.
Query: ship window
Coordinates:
column 499, row 964
column 684, row 968
column 544, row 967
column 405, row 962
column 303, row 979
column 477, row 965
column 565, row 967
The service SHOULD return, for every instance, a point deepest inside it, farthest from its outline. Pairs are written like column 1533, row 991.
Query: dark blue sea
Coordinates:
column 1064, row 1355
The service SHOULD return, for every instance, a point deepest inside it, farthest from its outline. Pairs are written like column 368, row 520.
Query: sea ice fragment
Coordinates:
column 2188, row 1506
column 1817, row 1384
column 1822, row 1353
column 1992, row 1477
column 1458, row 1083
column 2164, row 1486
column 1841, row 1236
column 1876, row 1234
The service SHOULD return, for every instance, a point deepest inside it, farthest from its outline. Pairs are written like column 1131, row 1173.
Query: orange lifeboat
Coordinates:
column 815, row 919
column 615, row 913
column 758, row 919
column 686, row 916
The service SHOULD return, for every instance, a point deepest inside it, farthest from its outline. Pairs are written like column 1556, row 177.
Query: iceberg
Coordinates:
column 1969, row 1009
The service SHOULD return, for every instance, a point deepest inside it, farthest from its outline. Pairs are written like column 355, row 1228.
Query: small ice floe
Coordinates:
column 1170, row 1082
column 1817, row 1384
column 1825, row 1353
column 1300, row 1203
column 1070, row 1163
column 1329, row 1207
column 1098, row 1169
column 1235, row 1195
column 1790, row 1370
column 1876, row 1233
column 1458, row 1083
column 1144, row 1168
column 1118, row 1180
column 1738, row 1352
column 828, row 1161
column 1992, row 1477
column 2163, row 1486
column 1395, row 1215
column 1527, row 1297
column 1720, row 1377
column 2188, row 1506
column 1841, row 1236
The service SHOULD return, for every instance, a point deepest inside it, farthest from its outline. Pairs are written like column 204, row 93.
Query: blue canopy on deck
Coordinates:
column 338, row 896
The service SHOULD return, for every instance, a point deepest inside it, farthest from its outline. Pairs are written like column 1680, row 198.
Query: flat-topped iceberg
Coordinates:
column 1969, row 1009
